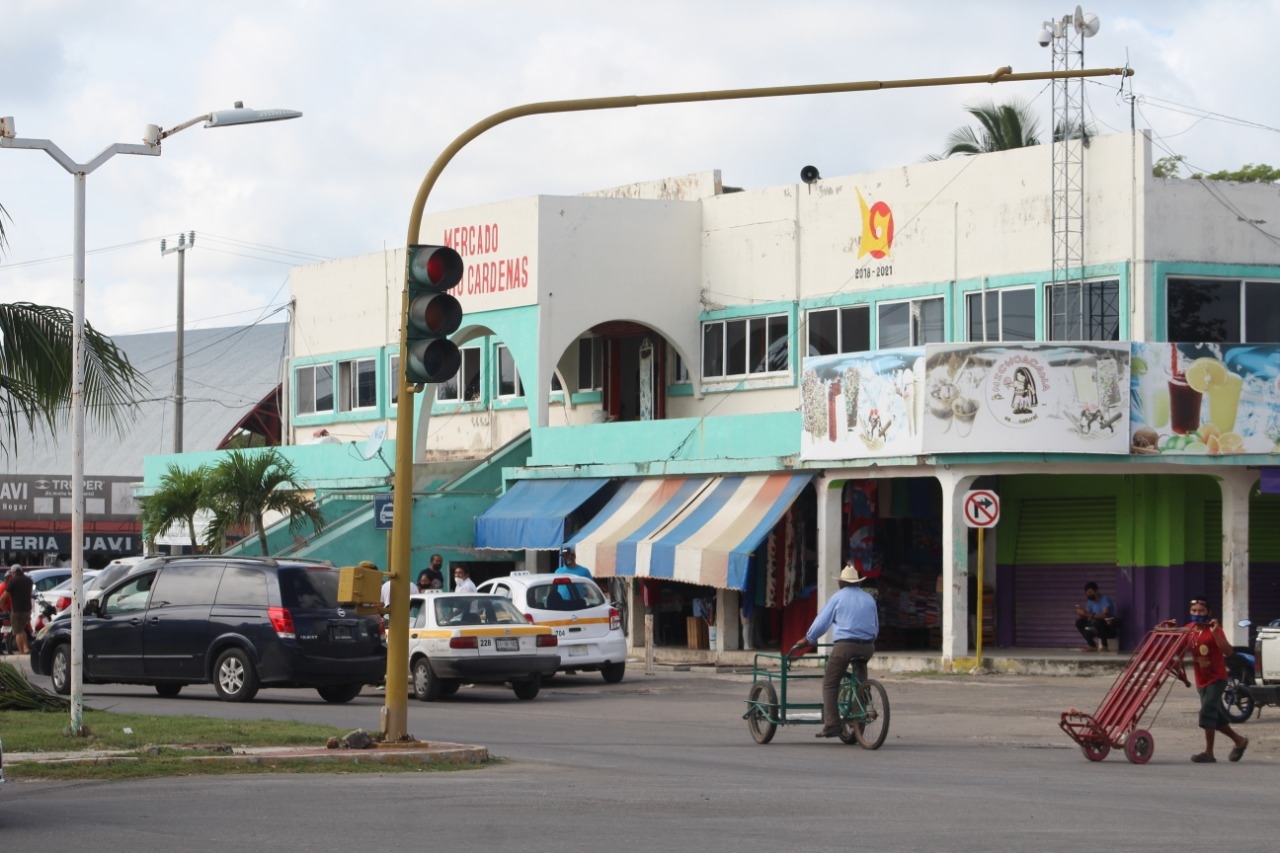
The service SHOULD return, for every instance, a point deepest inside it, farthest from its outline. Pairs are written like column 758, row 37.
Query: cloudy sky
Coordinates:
column 385, row 86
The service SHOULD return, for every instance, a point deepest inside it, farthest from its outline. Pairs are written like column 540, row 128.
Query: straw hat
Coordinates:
column 851, row 575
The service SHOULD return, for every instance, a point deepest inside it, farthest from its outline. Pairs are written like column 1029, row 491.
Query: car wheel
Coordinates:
column 449, row 686
column 339, row 693
column 528, row 688
column 426, row 684
column 234, row 679
column 168, row 691
column 60, row 670
column 613, row 672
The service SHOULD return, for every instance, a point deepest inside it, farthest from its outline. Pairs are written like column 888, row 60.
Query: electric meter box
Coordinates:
column 361, row 586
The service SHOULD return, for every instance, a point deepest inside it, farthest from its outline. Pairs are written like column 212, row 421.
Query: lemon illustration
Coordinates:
column 1196, row 448
column 1204, row 372
column 1231, row 442
column 1138, row 367
column 1208, row 431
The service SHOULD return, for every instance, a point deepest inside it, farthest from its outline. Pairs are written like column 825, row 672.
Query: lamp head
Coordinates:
column 240, row 114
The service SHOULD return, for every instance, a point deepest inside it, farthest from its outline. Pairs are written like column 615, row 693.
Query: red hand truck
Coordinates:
column 1115, row 723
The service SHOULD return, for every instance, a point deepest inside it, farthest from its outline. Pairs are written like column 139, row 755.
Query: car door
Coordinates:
column 113, row 635
column 176, row 633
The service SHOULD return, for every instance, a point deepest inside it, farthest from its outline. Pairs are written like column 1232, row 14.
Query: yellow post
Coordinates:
column 395, row 714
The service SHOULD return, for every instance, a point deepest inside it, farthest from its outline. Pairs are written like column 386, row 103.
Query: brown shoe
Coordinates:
column 829, row 732
column 1238, row 753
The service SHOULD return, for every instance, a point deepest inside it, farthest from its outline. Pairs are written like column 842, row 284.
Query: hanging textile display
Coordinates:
column 862, row 503
column 646, row 380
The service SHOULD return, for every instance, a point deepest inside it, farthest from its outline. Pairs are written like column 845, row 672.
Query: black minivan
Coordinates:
column 240, row 623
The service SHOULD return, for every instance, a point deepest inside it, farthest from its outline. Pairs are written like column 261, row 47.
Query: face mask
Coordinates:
column 1199, row 617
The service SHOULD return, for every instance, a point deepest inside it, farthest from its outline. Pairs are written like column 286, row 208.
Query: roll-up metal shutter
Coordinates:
column 1062, row 544
column 1264, row 558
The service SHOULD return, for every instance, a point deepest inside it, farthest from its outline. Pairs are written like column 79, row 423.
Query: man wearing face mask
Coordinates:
column 1209, row 647
column 1096, row 620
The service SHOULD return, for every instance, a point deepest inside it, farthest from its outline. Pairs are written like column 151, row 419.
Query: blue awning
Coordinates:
column 532, row 512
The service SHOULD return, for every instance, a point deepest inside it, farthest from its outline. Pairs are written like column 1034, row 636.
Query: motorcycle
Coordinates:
column 1244, row 695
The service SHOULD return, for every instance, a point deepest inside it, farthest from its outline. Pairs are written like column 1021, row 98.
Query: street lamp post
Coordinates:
column 395, row 712
column 183, row 244
column 150, row 146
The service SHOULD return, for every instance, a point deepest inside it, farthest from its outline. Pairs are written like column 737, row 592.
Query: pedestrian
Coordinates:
column 1209, row 647
column 569, row 560
column 432, row 577
column 18, row 590
column 854, row 622
column 1096, row 620
column 462, row 580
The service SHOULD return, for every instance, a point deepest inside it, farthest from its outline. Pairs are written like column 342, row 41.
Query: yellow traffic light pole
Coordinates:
column 395, row 714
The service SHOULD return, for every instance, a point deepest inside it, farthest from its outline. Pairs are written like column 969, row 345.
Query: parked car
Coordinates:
column 58, row 598
column 464, row 637
column 588, row 628
column 41, row 580
column 239, row 623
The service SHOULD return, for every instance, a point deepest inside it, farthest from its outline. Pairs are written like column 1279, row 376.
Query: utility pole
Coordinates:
column 185, row 241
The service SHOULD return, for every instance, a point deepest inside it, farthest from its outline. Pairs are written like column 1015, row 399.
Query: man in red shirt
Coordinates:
column 1209, row 648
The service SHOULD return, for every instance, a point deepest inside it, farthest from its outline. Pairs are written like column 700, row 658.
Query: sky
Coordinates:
column 385, row 86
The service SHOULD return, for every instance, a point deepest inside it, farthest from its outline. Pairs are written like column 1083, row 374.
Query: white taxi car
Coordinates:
column 588, row 627
column 465, row 637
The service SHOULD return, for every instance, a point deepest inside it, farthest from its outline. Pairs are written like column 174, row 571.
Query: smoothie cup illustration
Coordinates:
column 1211, row 377
column 1184, row 406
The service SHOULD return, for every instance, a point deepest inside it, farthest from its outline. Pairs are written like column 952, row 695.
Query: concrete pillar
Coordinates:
column 830, row 535
column 728, row 621
column 955, row 566
column 1236, row 486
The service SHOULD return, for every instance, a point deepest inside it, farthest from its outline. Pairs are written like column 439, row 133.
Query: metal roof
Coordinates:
column 226, row 372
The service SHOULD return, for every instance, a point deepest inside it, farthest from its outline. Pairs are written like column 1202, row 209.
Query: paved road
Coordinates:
column 666, row 761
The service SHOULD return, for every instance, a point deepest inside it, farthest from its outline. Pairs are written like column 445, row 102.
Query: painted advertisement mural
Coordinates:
column 1205, row 398
column 957, row 398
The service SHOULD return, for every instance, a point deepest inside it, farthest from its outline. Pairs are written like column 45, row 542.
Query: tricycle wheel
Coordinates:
column 873, row 727
column 763, row 701
column 1140, row 746
column 1096, row 750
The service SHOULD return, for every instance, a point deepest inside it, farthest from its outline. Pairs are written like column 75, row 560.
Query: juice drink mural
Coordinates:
column 1184, row 405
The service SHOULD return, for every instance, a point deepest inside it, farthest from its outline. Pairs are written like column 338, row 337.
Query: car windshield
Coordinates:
column 476, row 610
column 565, row 593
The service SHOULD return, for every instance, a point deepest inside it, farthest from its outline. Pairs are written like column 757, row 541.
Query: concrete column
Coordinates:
column 830, row 536
column 1236, row 486
column 955, row 566
column 728, row 621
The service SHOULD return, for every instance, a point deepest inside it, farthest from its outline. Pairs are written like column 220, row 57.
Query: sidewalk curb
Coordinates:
column 417, row 753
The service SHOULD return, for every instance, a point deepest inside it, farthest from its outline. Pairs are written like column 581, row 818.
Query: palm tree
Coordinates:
column 1002, row 127
column 178, row 498
column 246, row 485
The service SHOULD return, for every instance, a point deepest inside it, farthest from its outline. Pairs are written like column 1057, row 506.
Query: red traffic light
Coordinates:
column 436, row 267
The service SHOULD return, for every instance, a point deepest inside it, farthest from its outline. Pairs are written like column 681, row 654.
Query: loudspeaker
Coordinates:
column 809, row 174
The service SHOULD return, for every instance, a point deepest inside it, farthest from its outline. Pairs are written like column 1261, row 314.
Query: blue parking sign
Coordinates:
column 382, row 511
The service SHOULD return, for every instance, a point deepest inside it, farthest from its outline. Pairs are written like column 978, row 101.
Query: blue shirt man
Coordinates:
column 571, row 567
column 854, row 621
column 1096, row 620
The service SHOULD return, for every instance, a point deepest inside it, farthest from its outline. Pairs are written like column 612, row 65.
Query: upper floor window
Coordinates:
column 393, row 379
column 1008, row 314
column 464, row 387
column 315, row 389
column 911, row 323
column 590, row 364
column 746, row 347
column 1083, row 311
column 836, row 330
column 1217, row 310
column 508, row 377
column 679, row 370
column 357, row 384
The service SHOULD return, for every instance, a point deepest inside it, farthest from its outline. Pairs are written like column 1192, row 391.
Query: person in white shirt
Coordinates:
column 462, row 580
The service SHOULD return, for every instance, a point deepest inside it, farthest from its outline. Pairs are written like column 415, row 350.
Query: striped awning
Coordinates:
column 699, row 530
column 532, row 514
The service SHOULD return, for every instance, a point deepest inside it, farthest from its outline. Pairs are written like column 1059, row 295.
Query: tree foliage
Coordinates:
column 1001, row 127
column 177, row 499
column 246, row 485
column 1249, row 173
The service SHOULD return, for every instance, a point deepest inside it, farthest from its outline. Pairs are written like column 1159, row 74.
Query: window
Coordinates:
column 190, row 586
column 393, row 379
column 357, row 384
column 836, row 330
column 508, row 377
column 464, row 387
column 315, row 389
column 1009, row 315
column 679, row 370
column 746, row 347
column 590, row 364
column 1224, row 310
column 132, row 596
column 1083, row 311
column 911, row 323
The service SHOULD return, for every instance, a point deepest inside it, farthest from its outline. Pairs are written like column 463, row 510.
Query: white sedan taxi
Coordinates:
column 588, row 626
column 460, row 638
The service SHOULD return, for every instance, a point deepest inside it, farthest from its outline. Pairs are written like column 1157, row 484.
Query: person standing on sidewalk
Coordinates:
column 1209, row 647
column 852, row 617
column 462, row 580
column 18, row 591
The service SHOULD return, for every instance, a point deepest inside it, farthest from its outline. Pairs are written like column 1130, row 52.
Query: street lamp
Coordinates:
column 152, row 137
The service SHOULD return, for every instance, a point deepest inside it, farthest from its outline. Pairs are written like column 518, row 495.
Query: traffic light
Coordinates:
column 433, row 314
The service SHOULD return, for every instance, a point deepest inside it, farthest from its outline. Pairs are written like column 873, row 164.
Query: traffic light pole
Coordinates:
column 395, row 714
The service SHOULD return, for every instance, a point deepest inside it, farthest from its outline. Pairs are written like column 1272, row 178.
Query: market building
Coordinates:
column 722, row 396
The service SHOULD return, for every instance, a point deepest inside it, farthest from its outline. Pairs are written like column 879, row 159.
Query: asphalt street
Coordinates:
column 971, row 763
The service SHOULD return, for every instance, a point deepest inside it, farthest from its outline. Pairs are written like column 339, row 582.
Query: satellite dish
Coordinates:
column 1086, row 23
column 374, row 444
column 809, row 174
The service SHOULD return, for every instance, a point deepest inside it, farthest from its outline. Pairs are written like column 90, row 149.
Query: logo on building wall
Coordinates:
column 877, row 229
